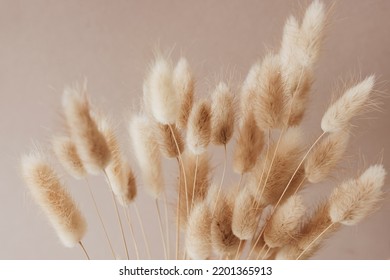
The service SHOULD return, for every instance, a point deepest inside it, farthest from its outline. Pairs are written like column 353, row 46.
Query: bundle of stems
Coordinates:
column 260, row 216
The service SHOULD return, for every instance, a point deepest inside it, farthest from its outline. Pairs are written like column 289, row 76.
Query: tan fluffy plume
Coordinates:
column 325, row 156
column 66, row 153
column 246, row 214
column 222, row 115
column 198, row 234
column 299, row 51
column 184, row 86
column 147, row 153
column 167, row 140
column 49, row 193
column 268, row 104
column 160, row 95
column 275, row 175
column 122, row 179
column 285, row 224
column 250, row 143
column 355, row 199
column 350, row 104
column 223, row 240
column 199, row 127
column 90, row 143
column 197, row 187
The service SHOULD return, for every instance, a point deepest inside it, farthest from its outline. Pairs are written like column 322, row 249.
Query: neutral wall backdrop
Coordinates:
column 45, row 45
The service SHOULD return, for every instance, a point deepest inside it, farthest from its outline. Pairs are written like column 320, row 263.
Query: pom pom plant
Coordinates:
column 263, row 216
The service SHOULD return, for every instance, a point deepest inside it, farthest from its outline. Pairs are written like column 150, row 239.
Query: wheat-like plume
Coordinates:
column 147, row 153
column 285, row 224
column 167, row 137
column 90, row 143
column 199, row 127
column 198, row 234
column 50, row 194
column 67, row 155
column 222, row 115
column 184, row 85
column 325, row 156
column 357, row 198
column 350, row 104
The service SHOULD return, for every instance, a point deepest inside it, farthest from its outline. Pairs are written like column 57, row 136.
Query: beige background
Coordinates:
column 45, row 45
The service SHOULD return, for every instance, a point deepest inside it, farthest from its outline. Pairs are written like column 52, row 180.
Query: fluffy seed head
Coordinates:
column 349, row 105
column 223, row 240
column 90, row 143
column 199, row 127
column 249, row 145
column 278, row 169
column 355, row 199
column 246, row 214
column 198, row 239
column 121, row 176
column 285, row 224
column 184, row 86
column 325, row 156
column 161, row 96
column 147, row 153
column 268, row 104
column 66, row 153
column 49, row 193
column 222, row 115
column 167, row 139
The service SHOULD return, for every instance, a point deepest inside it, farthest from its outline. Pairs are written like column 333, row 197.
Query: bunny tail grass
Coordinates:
column 160, row 95
column 67, row 155
column 147, row 153
column 168, row 136
column 184, row 85
column 49, row 193
column 223, row 240
column 355, row 199
column 199, row 127
column 222, row 115
column 285, row 224
column 349, row 105
column 198, row 239
column 118, row 170
column 325, row 155
column 245, row 215
column 90, row 143
column 269, row 98
column 249, row 145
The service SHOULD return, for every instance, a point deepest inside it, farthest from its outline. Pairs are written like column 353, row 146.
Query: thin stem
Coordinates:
column 182, row 167
column 100, row 218
column 178, row 218
column 142, row 230
column 262, row 172
column 271, row 165
column 131, row 231
column 265, row 255
column 238, row 250
column 167, row 224
column 296, row 170
column 300, row 184
column 117, row 214
column 161, row 229
column 261, row 251
column 315, row 239
column 85, row 251
column 194, row 185
column 222, row 178
column 240, row 182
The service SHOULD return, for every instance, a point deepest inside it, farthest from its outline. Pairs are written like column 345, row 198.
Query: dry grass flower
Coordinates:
column 49, row 193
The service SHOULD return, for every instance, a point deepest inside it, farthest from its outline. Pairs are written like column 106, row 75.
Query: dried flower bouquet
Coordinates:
column 262, row 216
